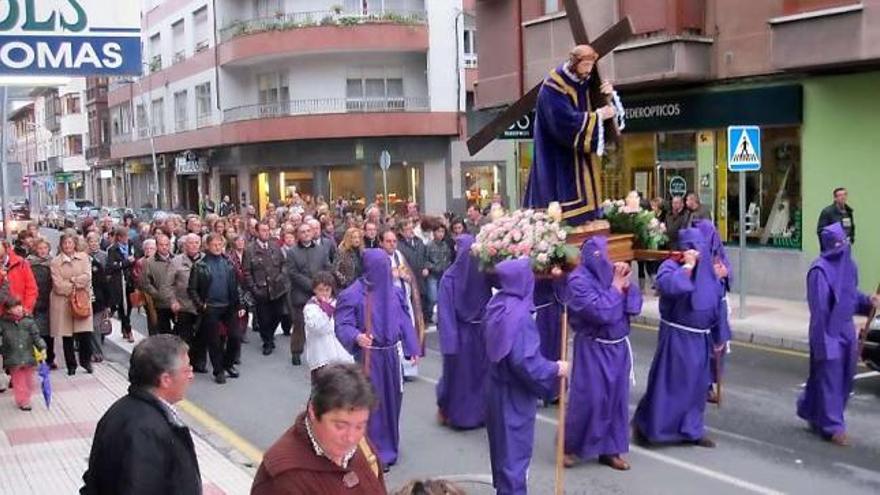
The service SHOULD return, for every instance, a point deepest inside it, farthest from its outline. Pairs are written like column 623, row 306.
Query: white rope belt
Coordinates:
column 385, row 348
column 703, row 331
column 629, row 349
column 545, row 305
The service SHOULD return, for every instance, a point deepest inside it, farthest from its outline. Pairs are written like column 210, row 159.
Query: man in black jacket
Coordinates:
column 120, row 283
column 213, row 288
column 838, row 212
column 141, row 446
column 415, row 253
column 263, row 268
column 303, row 262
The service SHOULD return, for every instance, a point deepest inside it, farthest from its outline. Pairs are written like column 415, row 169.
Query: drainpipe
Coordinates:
column 520, row 48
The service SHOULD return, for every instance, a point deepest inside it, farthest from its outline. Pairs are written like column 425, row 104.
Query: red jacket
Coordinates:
column 21, row 281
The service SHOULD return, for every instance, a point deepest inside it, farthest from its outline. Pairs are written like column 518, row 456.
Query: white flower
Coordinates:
column 543, row 258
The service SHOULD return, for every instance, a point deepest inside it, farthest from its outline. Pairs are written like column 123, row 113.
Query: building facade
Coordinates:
column 799, row 69
column 261, row 99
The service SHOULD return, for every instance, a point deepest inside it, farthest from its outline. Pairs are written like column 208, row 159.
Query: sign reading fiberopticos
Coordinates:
column 70, row 37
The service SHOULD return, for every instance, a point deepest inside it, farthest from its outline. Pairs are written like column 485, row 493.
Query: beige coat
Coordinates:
column 68, row 273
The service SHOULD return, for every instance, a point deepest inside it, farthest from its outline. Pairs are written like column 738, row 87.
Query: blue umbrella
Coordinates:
column 43, row 370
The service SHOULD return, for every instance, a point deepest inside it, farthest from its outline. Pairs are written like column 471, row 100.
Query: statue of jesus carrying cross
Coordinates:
column 567, row 133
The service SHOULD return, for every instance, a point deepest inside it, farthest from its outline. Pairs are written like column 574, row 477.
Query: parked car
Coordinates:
column 871, row 347
column 72, row 210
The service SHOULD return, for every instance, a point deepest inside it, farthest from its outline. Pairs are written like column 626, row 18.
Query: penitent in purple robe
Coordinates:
column 566, row 133
column 390, row 325
column 833, row 297
column 518, row 376
column 548, row 318
column 721, row 333
column 461, row 303
column 673, row 405
column 598, row 409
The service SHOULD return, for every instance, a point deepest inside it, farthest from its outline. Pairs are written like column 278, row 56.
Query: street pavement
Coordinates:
column 762, row 446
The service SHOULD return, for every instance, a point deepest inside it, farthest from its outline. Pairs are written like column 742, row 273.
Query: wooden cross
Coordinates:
column 604, row 44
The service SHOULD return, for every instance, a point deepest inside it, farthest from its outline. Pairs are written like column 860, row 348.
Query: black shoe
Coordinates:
column 53, row 366
column 71, row 371
column 232, row 372
column 220, row 378
column 237, row 361
column 88, row 368
column 295, row 360
column 267, row 349
column 200, row 369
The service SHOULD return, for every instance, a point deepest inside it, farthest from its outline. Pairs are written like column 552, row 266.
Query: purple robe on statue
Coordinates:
column 566, row 133
column 548, row 318
column 721, row 333
column 461, row 303
column 672, row 408
column 518, row 376
column 833, row 296
column 598, row 406
column 390, row 325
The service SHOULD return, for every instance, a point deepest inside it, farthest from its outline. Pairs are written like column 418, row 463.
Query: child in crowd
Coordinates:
column 322, row 347
column 19, row 335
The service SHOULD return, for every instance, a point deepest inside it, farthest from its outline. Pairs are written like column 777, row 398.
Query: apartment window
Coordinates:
column 157, row 115
column 375, row 90
column 200, row 29
column 203, row 103
column 105, row 131
column 180, row 117
column 121, row 120
column 72, row 105
column 155, row 52
column 470, row 48
column 551, row 6
column 267, row 8
column 273, row 93
column 178, row 35
column 73, row 145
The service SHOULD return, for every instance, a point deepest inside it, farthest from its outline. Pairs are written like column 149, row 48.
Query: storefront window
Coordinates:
column 404, row 184
column 481, row 182
column 524, row 158
column 774, row 212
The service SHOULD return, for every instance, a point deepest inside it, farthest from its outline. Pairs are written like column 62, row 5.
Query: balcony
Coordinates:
column 663, row 58
column 320, row 106
column 303, row 33
column 96, row 95
column 100, row 152
column 841, row 36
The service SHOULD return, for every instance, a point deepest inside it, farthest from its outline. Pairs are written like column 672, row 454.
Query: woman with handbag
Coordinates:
column 70, row 305
column 101, row 325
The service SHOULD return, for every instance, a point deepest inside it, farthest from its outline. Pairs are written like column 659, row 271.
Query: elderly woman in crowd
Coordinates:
column 71, row 271
column 137, row 272
column 100, row 294
column 40, row 260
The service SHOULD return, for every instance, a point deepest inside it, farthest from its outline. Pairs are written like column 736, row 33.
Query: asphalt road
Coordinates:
column 762, row 446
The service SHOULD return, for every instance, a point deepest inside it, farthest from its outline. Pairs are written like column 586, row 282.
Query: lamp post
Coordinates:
column 148, row 110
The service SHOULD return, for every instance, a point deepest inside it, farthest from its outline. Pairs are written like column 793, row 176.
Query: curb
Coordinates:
column 746, row 336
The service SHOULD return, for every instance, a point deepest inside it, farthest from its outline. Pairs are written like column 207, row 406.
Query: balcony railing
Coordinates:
column 319, row 106
column 295, row 20
column 99, row 152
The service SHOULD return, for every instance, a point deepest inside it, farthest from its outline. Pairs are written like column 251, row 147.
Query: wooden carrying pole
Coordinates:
column 368, row 324
column 560, row 431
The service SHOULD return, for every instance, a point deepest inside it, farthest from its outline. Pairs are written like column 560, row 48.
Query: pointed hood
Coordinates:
column 382, row 295
column 509, row 307
column 836, row 261
column 594, row 259
column 708, row 291
column 472, row 290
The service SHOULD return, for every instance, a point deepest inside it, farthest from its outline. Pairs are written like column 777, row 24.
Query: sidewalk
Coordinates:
column 46, row 450
column 770, row 322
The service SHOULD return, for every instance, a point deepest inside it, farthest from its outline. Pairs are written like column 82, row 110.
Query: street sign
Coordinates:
column 384, row 160
column 70, row 38
column 743, row 148
column 678, row 186
column 524, row 128
column 50, row 185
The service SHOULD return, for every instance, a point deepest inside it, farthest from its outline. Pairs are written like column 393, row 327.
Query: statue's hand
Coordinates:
column 606, row 112
column 606, row 88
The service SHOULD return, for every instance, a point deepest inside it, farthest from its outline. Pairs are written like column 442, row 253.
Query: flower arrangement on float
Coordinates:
column 626, row 216
column 538, row 235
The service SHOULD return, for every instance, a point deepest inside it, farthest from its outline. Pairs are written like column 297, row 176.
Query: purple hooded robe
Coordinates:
column 518, row 376
column 721, row 333
column 390, row 325
column 672, row 408
column 833, row 297
column 548, row 318
column 464, row 293
column 598, row 405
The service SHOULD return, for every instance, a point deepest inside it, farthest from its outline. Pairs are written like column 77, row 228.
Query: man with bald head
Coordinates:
column 568, row 130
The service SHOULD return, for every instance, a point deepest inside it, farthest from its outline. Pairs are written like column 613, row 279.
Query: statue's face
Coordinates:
column 583, row 67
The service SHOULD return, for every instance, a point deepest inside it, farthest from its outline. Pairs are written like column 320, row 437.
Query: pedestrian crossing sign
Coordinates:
column 743, row 148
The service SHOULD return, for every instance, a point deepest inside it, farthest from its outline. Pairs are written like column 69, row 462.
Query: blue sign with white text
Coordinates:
column 743, row 148
column 70, row 38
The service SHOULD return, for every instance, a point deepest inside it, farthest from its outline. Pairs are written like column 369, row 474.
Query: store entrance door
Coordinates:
column 676, row 178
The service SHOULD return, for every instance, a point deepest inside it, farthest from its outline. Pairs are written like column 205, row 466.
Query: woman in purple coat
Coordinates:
column 389, row 323
column 671, row 411
column 463, row 295
column 518, row 376
column 600, row 302
column 834, row 297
